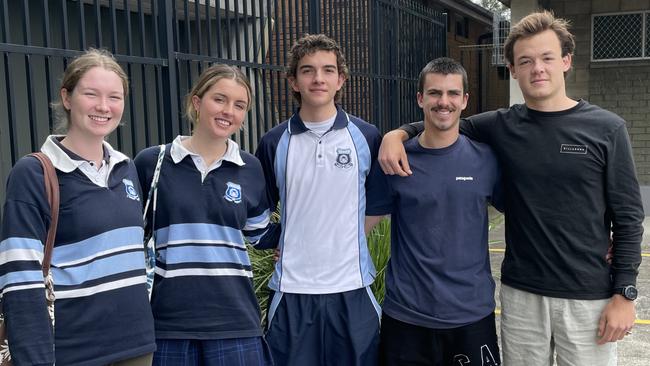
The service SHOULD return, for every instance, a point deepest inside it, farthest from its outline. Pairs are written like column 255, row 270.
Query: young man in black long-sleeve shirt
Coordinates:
column 569, row 180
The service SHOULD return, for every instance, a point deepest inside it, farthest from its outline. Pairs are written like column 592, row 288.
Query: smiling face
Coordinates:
column 222, row 109
column 95, row 104
column 442, row 101
column 317, row 80
column 539, row 67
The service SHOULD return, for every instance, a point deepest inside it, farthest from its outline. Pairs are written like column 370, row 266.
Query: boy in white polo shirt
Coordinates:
column 321, row 166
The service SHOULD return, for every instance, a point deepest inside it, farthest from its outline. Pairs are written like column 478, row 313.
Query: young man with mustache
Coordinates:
column 439, row 304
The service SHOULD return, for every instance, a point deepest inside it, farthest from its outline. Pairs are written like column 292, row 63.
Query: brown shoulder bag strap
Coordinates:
column 52, row 190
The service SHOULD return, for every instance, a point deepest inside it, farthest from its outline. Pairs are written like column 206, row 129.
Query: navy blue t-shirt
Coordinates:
column 439, row 272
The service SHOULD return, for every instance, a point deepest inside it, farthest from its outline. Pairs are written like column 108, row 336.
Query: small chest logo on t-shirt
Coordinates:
column 464, row 178
column 343, row 158
column 131, row 192
column 573, row 149
column 233, row 192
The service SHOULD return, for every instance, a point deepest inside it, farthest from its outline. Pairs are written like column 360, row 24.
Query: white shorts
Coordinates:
column 536, row 328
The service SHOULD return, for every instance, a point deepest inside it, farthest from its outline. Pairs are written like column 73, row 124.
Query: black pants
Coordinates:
column 404, row 344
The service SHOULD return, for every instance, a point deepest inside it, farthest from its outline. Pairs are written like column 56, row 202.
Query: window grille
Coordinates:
column 500, row 31
column 621, row 36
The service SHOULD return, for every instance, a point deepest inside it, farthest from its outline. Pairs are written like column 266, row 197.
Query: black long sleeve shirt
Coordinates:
column 569, row 180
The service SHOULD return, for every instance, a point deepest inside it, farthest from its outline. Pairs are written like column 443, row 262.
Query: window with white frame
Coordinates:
column 620, row 36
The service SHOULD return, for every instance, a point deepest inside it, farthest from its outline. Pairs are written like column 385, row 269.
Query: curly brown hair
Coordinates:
column 307, row 45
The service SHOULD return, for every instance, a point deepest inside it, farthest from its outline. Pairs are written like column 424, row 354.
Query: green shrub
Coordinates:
column 378, row 244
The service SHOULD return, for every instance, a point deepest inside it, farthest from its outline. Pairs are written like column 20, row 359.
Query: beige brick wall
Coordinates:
column 622, row 87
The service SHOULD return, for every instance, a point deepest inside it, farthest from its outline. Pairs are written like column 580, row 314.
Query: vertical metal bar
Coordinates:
column 187, row 64
column 374, row 55
column 349, row 54
column 188, row 33
column 290, row 15
column 47, row 43
column 263, row 24
column 143, row 38
column 160, row 115
column 160, row 109
column 114, row 46
column 82, row 26
column 251, row 54
column 143, row 70
column 332, row 18
column 129, row 72
column 237, row 20
column 304, row 9
column 274, row 53
column 314, row 16
column 287, row 45
column 27, row 32
column 228, row 39
column 208, row 23
column 169, row 86
column 11, row 103
column 218, row 24
column 98, row 27
column 174, row 62
column 199, row 39
column 249, row 72
column 64, row 30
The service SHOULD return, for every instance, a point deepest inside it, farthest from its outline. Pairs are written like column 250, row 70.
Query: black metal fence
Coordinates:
column 164, row 44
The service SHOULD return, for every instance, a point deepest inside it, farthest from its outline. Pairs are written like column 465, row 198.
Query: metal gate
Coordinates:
column 164, row 44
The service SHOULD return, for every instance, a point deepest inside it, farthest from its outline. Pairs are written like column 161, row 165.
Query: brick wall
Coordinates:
column 621, row 87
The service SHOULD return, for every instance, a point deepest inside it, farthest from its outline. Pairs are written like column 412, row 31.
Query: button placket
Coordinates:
column 320, row 153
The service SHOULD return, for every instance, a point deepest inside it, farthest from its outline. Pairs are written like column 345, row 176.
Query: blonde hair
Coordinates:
column 75, row 71
column 535, row 23
column 207, row 79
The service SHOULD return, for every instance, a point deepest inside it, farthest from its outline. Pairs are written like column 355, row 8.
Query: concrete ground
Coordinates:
column 634, row 350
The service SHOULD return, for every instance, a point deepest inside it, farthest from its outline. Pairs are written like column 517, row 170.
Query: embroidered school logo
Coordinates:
column 343, row 159
column 131, row 192
column 233, row 192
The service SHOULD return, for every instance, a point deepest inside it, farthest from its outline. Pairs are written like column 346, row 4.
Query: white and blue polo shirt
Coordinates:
column 322, row 182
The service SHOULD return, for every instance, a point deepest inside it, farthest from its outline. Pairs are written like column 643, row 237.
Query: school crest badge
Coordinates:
column 131, row 192
column 343, row 158
column 233, row 192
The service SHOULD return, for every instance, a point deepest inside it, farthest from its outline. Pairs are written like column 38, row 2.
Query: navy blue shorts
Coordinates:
column 324, row 329
column 251, row 351
column 404, row 344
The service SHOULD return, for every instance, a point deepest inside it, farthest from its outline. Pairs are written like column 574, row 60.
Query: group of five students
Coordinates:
column 321, row 165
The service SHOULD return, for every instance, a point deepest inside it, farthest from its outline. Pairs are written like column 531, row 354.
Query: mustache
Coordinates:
column 450, row 109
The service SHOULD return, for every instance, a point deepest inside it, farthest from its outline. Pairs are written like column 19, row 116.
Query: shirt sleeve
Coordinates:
column 497, row 198
column 625, row 207
column 23, row 234
column 265, row 153
column 378, row 200
column 145, row 164
column 259, row 215
column 413, row 128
